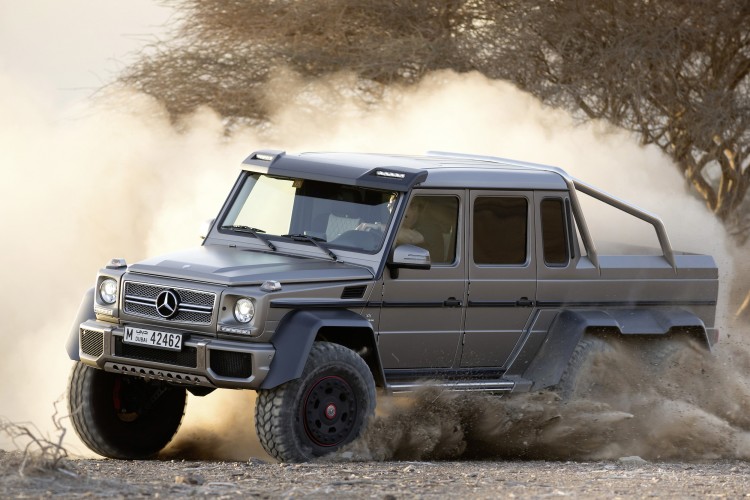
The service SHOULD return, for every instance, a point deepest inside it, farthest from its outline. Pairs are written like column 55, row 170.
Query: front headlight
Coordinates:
column 108, row 291
column 244, row 310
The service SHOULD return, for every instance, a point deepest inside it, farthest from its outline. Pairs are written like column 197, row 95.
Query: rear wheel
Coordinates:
column 318, row 413
column 119, row 416
column 573, row 381
column 664, row 354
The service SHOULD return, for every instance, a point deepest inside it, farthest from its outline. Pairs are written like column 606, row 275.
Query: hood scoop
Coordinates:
column 354, row 292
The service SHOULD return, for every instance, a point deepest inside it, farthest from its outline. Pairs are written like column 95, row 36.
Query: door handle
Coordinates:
column 524, row 302
column 452, row 302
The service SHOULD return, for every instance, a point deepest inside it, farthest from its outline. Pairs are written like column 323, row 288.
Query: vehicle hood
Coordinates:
column 234, row 266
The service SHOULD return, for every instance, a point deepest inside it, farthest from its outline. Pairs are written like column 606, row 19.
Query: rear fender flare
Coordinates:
column 653, row 322
column 547, row 367
column 298, row 330
column 568, row 327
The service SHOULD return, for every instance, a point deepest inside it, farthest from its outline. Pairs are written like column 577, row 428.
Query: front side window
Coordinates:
column 500, row 228
column 431, row 222
column 337, row 215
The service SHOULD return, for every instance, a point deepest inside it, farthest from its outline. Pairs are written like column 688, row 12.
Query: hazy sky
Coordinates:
column 67, row 49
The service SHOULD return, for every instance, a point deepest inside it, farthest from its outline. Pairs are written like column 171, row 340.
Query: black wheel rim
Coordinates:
column 133, row 398
column 329, row 411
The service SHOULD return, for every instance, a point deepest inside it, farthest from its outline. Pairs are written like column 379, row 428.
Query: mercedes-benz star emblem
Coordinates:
column 167, row 303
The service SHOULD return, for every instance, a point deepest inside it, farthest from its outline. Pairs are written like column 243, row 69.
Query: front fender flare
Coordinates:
column 85, row 312
column 296, row 333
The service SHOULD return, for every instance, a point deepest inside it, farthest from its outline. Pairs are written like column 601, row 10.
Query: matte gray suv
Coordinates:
column 325, row 276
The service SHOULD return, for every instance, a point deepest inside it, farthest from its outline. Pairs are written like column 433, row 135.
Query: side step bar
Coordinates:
column 457, row 385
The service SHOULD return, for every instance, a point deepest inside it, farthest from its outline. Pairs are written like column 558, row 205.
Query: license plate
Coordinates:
column 164, row 340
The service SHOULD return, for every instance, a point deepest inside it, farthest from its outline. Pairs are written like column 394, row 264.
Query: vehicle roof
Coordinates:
column 402, row 172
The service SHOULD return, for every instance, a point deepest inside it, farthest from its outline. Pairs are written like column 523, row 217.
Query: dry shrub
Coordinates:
column 38, row 452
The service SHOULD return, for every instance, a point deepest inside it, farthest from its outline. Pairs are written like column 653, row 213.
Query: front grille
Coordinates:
column 92, row 342
column 188, row 356
column 195, row 307
column 231, row 364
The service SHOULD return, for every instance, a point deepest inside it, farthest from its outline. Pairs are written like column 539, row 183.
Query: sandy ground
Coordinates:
column 675, row 425
column 624, row 478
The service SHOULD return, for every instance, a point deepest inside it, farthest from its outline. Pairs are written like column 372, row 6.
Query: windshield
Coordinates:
column 336, row 215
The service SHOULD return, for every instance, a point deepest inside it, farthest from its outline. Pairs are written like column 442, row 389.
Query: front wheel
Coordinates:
column 318, row 413
column 119, row 416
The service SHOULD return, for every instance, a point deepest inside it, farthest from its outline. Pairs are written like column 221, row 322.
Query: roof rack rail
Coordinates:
column 498, row 159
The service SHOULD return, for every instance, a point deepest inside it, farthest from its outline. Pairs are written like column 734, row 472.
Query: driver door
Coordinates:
column 422, row 310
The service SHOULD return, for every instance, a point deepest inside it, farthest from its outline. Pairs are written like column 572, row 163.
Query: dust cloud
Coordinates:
column 114, row 179
column 100, row 182
column 672, row 401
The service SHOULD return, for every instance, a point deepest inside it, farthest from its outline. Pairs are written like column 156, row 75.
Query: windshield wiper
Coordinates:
column 315, row 240
column 254, row 231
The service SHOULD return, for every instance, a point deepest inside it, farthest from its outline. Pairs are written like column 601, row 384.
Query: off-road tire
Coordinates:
column 588, row 347
column 318, row 413
column 123, row 417
column 662, row 353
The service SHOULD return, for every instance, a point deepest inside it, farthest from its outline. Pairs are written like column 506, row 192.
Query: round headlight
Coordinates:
column 108, row 291
column 244, row 310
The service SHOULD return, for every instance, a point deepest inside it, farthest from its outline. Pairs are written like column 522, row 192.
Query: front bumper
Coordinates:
column 203, row 361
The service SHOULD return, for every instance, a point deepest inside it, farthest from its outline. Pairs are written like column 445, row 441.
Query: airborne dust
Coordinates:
column 119, row 181
column 689, row 405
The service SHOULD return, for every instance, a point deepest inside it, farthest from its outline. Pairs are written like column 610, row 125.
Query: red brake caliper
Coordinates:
column 116, row 395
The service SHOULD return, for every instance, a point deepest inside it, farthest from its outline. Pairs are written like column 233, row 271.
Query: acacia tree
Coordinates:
column 674, row 72
column 222, row 52
column 677, row 73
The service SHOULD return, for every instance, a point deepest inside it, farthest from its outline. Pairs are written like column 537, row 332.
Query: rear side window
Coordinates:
column 553, row 232
column 500, row 230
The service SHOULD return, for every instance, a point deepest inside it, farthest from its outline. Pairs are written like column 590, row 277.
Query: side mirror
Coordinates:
column 206, row 228
column 408, row 257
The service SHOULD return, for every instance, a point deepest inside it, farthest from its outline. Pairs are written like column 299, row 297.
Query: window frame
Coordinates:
column 565, row 227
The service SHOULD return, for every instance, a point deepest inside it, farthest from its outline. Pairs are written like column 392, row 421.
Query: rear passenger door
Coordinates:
column 502, row 275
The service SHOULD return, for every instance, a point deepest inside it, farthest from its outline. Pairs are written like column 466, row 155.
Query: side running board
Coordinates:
column 503, row 385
